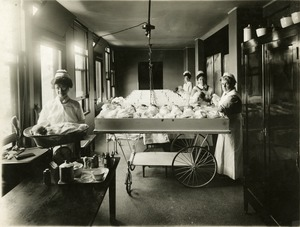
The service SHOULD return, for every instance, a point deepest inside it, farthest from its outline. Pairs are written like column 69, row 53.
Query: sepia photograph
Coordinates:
column 150, row 113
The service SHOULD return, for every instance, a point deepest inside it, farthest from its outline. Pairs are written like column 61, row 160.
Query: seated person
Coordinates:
column 62, row 109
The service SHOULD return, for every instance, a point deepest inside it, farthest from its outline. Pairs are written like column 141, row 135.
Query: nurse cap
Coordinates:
column 230, row 76
column 62, row 76
column 187, row 72
column 200, row 72
column 61, row 73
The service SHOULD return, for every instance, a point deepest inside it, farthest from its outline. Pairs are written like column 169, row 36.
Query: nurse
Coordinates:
column 62, row 108
column 187, row 85
column 201, row 93
column 229, row 153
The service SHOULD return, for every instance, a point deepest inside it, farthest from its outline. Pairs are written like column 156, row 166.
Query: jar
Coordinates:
column 66, row 172
column 247, row 33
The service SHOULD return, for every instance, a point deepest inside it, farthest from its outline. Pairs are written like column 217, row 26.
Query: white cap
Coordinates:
column 229, row 75
column 200, row 72
column 61, row 73
column 187, row 72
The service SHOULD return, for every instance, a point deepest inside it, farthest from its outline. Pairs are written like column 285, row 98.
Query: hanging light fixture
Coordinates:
column 148, row 26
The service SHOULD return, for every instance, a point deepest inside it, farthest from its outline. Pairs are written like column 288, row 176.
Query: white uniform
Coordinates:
column 55, row 112
column 187, row 87
column 229, row 147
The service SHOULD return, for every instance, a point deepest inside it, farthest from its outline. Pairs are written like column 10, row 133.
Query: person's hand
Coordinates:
column 215, row 99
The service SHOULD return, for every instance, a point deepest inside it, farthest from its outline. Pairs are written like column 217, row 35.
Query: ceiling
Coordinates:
column 177, row 23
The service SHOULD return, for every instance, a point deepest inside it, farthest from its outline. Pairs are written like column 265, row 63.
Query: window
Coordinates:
column 51, row 61
column 107, row 73
column 9, row 87
column 98, row 84
column 10, row 47
column 81, row 67
column 81, row 77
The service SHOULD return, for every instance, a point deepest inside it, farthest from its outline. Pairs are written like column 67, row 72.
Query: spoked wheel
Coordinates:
column 128, row 182
column 194, row 166
column 187, row 140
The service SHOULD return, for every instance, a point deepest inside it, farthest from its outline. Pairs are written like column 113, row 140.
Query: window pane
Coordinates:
column 50, row 62
column 81, row 75
column 108, row 89
column 9, row 99
column 107, row 60
column 99, row 80
column 80, row 79
column 79, row 61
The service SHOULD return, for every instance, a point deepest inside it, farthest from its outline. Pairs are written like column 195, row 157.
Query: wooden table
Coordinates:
column 14, row 171
column 35, row 150
column 34, row 203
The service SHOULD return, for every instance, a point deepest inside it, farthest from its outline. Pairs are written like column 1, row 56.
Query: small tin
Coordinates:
column 47, row 177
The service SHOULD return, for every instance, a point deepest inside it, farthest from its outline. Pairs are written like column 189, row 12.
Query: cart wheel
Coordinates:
column 128, row 182
column 187, row 140
column 194, row 166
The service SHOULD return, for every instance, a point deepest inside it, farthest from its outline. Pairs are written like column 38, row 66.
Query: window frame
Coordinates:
column 98, row 86
column 84, row 99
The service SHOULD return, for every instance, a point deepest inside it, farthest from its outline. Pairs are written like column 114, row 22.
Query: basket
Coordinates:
column 47, row 141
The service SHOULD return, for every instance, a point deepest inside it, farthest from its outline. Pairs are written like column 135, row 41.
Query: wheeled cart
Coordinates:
column 192, row 163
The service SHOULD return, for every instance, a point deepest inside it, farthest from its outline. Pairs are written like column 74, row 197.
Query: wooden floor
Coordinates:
column 160, row 200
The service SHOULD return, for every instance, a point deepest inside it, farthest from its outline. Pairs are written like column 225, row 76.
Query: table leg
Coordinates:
column 112, row 200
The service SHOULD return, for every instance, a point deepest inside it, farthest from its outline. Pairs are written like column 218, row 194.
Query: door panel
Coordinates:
column 255, row 137
column 283, row 129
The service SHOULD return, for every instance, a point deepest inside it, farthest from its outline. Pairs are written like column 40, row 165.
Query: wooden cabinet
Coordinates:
column 270, row 86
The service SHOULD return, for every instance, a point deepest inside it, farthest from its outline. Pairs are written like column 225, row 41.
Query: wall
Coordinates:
column 127, row 68
column 217, row 43
column 189, row 61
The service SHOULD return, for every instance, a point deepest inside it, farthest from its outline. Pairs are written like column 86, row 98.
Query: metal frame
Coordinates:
column 197, row 126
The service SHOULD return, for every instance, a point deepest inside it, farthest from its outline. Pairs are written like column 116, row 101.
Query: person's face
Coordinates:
column 61, row 90
column 225, row 85
column 201, row 81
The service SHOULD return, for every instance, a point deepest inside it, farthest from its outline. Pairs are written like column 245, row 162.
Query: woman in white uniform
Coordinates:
column 62, row 109
column 201, row 93
column 187, row 85
column 229, row 153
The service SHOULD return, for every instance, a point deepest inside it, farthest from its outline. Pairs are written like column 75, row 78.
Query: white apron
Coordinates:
column 229, row 153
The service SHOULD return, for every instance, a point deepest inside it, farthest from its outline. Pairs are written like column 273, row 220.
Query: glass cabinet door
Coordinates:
column 282, row 115
column 254, row 157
